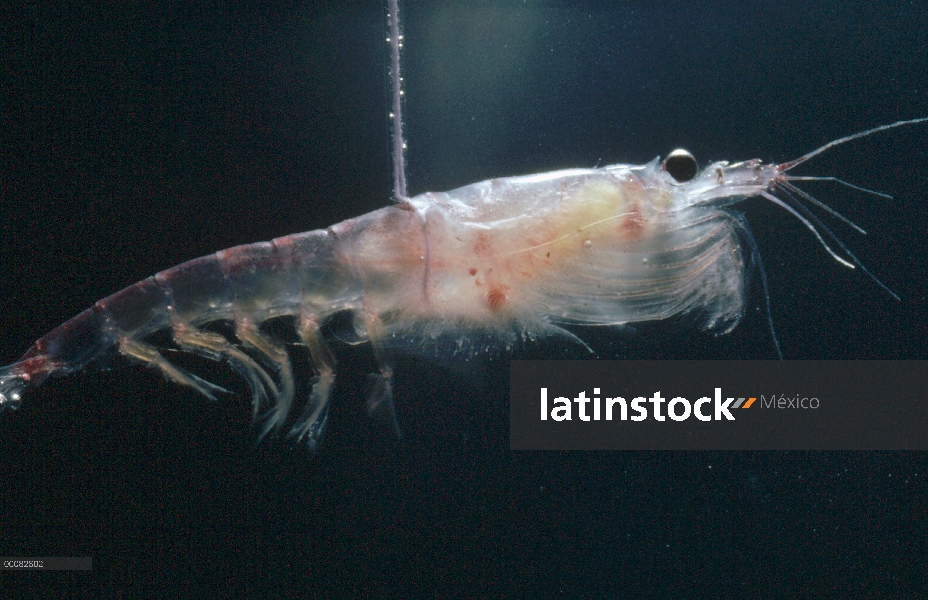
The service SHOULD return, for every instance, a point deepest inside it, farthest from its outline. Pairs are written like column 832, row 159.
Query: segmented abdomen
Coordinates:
column 299, row 276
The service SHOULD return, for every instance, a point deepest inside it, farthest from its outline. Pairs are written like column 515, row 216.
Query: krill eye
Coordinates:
column 681, row 165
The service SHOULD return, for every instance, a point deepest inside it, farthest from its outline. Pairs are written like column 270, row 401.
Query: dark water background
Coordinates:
column 133, row 139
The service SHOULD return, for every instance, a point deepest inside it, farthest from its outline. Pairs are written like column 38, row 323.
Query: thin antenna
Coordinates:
column 792, row 163
column 396, row 115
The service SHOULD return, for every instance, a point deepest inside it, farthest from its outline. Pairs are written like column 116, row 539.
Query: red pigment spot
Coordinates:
column 482, row 245
column 632, row 225
column 472, row 271
column 36, row 365
column 496, row 298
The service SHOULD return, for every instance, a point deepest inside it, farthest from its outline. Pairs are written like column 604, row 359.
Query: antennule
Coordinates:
column 792, row 163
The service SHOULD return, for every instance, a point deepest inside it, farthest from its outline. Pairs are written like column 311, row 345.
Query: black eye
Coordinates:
column 681, row 165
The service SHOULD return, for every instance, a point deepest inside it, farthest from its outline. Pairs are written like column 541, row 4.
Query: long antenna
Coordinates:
column 396, row 115
column 792, row 163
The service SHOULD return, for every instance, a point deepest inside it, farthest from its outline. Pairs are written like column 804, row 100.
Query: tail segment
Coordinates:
column 14, row 381
column 26, row 373
column 67, row 348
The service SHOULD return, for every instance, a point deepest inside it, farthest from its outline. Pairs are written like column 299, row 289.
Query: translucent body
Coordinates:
column 593, row 246
column 508, row 257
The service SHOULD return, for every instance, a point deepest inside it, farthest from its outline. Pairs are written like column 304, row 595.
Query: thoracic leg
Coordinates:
column 311, row 423
column 275, row 354
column 381, row 397
column 215, row 347
column 149, row 355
